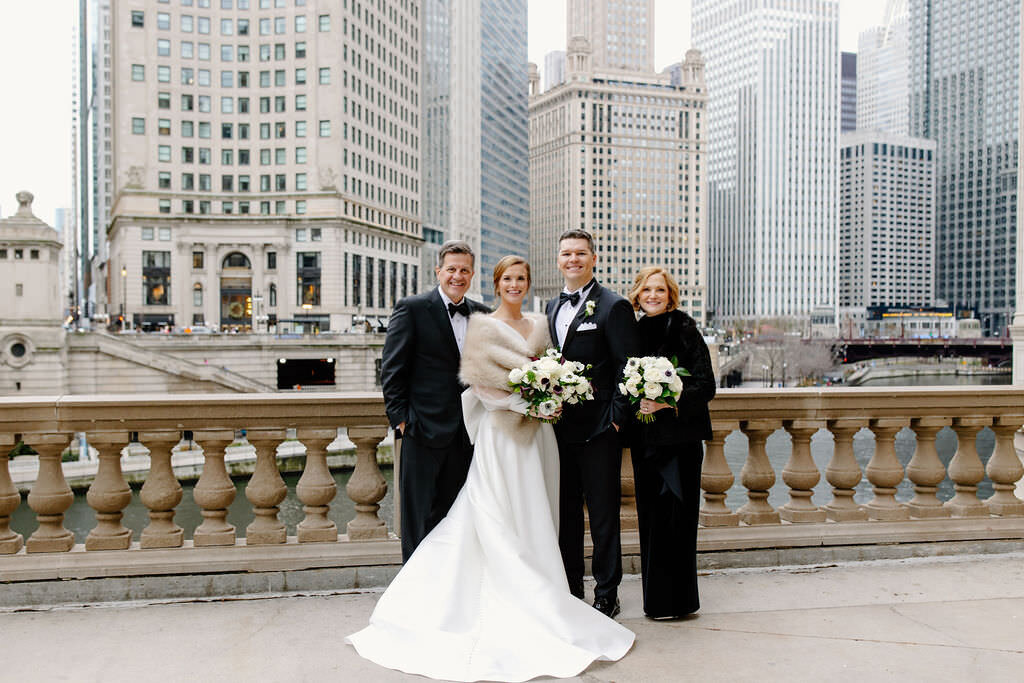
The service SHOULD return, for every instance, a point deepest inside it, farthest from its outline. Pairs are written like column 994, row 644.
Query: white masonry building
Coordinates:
column 266, row 162
column 617, row 150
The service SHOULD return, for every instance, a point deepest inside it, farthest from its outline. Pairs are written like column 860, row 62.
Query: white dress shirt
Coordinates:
column 567, row 312
column 459, row 322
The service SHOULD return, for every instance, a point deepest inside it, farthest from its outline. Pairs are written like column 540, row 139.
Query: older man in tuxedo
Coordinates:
column 422, row 393
column 595, row 326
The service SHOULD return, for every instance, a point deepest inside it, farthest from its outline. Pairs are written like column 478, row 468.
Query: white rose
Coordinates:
column 623, row 390
column 652, row 390
column 515, row 375
column 653, row 374
column 675, row 385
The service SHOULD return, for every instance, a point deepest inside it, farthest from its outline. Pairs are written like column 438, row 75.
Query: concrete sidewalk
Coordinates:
column 935, row 619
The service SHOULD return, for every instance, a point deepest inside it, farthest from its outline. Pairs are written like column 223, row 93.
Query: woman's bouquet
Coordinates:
column 548, row 382
column 655, row 378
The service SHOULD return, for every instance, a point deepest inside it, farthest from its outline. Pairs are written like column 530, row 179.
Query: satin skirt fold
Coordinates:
column 485, row 597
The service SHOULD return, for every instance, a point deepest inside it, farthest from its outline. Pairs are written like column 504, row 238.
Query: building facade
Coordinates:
column 620, row 32
column 772, row 132
column 883, row 53
column 475, row 177
column 886, row 221
column 848, row 92
column 964, row 83
column 620, row 156
column 265, row 163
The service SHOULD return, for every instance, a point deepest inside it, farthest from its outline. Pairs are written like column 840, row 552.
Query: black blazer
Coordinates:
column 420, row 369
column 675, row 334
column 606, row 347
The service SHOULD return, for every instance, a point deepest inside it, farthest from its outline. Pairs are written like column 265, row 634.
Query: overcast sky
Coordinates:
column 36, row 41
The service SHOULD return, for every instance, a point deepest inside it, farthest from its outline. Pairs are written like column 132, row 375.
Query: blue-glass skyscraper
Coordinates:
column 475, row 136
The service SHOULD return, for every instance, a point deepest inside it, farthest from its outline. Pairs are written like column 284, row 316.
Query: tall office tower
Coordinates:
column 848, row 92
column 92, row 246
column 554, row 69
column 886, row 220
column 620, row 32
column 773, row 125
column 266, row 162
column 883, row 73
column 620, row 155
column 64, row 224
column 476, row 166
column 964, row 71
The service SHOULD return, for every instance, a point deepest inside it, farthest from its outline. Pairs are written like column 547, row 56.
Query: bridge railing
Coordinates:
column 808, row 517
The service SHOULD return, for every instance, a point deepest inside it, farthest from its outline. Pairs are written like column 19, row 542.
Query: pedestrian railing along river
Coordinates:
column 213, row 421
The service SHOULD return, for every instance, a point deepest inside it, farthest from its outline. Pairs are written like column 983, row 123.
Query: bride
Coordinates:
column 485, row 597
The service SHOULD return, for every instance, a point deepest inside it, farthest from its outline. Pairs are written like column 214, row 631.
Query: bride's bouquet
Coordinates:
column 548, row 382
column 655, row 378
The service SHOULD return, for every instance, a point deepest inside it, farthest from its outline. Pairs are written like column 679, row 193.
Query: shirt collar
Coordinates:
column 444, row 297
column 584, row 290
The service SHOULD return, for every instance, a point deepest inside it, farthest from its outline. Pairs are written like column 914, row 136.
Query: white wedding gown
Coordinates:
column 485, row 597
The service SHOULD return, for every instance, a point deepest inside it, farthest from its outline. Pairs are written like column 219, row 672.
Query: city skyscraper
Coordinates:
column 620, row 32
column 476, row 165
column 554, row 69
column 883, row 73
column 964, row 84
column 886, row 220
column 265, row 162
column 619, row 154
column 772, row 128
column 848, row 92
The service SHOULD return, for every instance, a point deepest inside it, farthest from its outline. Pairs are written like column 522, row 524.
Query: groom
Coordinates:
column 595, row 326
column 422, row 393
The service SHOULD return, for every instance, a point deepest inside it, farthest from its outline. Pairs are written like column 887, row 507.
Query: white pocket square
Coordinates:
column 585, row 327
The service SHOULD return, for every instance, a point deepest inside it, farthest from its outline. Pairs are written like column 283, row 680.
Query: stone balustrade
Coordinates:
column 213, row 421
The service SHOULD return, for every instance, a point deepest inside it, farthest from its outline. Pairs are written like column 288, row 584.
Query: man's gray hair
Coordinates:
column 454, row 247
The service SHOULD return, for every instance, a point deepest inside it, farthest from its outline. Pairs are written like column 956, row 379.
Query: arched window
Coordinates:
column 272, row 296
column 236, row 259
column 197, row 295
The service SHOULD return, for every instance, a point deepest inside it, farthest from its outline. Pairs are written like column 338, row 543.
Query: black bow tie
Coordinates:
column 573, row 298
column 462, row 308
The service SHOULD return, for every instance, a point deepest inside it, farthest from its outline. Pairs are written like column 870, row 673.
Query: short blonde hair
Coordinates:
column 641, row 279
column 504, row 264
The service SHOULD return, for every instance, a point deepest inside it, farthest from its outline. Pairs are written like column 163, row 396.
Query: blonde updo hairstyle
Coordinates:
column 504, row 264
column 641, row 280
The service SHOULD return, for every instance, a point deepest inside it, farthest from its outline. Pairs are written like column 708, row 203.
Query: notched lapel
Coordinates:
column 551, row 315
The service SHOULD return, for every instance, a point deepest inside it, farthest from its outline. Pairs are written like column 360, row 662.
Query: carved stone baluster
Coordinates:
column 316, row 488
column 885, row 472
column 10, row 499
column 1004, row 468
column 757, row 474
column 716, row 478
column 926, row 470
column 366, row 487
column 843, row 471
column 109, row 494
column 161, row 493
column 966, row 469
column 266, row 489
column 214, row 491
column 801, row 474
column 50, row 496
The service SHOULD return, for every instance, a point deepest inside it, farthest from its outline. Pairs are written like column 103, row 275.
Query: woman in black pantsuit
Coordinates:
column 667, row 453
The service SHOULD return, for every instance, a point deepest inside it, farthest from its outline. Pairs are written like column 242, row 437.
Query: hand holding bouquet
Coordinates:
column 548, row 382
column 654, row 378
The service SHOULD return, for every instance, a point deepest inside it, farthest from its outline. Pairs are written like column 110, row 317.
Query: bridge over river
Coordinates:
column 998, row 351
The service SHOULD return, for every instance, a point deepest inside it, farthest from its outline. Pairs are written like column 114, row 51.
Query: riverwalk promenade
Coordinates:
column 924, row 619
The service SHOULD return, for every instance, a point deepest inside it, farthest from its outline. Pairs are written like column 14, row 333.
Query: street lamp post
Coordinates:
column 124, row 296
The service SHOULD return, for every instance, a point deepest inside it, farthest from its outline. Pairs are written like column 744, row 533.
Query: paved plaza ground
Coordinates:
column 936, row 619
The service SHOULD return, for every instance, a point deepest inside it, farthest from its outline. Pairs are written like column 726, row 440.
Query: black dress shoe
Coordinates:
column 607, row 606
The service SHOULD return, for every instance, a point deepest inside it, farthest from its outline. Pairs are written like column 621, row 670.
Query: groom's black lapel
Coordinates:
column 592, row 295
column 444, row 324
column 552, row 314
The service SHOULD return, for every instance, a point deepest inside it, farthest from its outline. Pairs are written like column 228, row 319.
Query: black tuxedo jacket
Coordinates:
column 607, row 340
column 420, row 370
column 675, row 334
